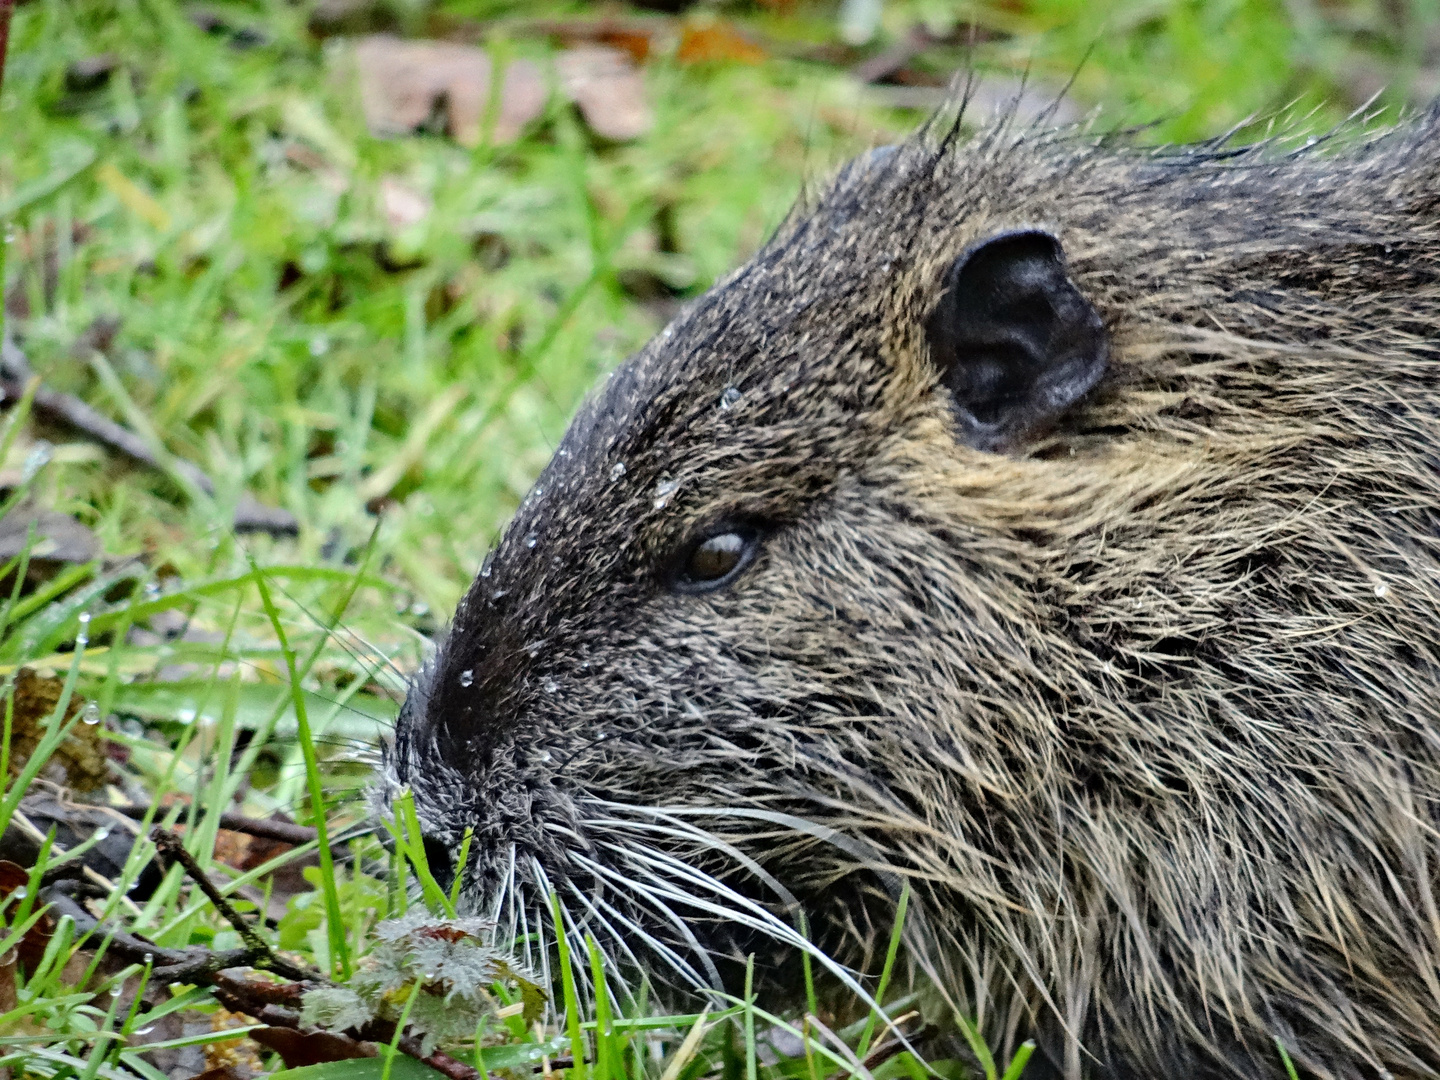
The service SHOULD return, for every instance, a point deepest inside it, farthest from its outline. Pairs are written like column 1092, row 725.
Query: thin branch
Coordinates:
column 70, row 411
column 283, row 832
column 172, row 849
column 271, row 1003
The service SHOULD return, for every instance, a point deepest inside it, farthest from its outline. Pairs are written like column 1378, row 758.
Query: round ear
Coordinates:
column 1015, row 342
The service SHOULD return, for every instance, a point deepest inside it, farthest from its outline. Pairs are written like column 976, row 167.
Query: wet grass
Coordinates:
column 205, row 244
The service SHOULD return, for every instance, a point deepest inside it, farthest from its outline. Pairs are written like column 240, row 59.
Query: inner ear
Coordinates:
column 1015, row 342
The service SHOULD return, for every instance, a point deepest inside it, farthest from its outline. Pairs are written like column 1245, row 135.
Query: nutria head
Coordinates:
column 1045, row 523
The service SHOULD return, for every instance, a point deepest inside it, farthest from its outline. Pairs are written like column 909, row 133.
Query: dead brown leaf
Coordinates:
column 608, row 89
column 298, row 1049
column 403, row 84
column 79, row 762
column 717, row 41
column 31, row 948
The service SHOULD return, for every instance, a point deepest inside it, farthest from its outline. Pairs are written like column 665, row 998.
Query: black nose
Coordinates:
column 437, row 856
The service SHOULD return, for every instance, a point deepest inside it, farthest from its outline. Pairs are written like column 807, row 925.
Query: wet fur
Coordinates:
column 1144, row 709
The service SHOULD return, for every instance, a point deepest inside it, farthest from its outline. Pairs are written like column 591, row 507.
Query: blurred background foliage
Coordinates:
column 357, row 261
column 217, row 246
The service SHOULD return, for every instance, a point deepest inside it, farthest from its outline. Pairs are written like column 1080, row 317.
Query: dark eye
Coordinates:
column 717, row 559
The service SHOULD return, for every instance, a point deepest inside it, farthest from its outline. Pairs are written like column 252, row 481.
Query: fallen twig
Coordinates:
column 172, row 849
column 272, row 1003
column 283, row 832
column 69, row 410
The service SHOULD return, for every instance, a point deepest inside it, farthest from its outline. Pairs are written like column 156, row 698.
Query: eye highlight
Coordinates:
column 717, row 559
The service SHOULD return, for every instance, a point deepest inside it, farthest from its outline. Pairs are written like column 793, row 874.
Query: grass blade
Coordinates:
column 335, row 928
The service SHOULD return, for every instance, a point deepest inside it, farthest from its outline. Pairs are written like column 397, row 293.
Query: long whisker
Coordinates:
column 701, row 953
column 608, row 964
column 763, row 921
column 683, row 830
column 689, row 976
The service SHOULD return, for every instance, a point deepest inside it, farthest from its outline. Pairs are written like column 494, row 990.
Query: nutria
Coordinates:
column 1048, row 523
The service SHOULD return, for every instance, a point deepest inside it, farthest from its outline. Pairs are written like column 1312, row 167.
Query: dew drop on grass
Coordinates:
column 20, row 893
column 117, row 990
column 419, row 607
column 36, row 460
column 100, row 834
column 148, row 958
column 467, row 677
column 617, row 470
column 91, row 713
column 145, row 1030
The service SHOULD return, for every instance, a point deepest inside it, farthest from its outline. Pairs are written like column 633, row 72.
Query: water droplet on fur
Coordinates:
column 20, row 893
column 467, row 677
column 498, row 593
column 617, row 470
column 663, row 491
column 730, row 398
column 544, row 755
column 531, row 540
column 550, row 686
column 91, row 713
column 485, row 570
column 1382, row 590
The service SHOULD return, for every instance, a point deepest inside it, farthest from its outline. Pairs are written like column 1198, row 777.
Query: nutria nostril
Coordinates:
column 1045, row 522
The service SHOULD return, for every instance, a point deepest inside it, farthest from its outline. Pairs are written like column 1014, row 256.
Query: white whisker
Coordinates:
column 701, row 953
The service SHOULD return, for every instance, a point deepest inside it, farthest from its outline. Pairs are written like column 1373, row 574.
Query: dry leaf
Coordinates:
column 717, row 41
column 298, row 1049
column 608, row 89
column 403, row 83
column 79, row 762
column 58, row 538
column 403, row 206
column 31, row 948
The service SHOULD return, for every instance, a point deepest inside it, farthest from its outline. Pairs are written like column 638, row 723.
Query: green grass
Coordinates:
column 398, row 387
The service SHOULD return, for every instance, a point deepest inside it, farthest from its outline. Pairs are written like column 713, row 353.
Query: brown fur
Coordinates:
column 1144, row 709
